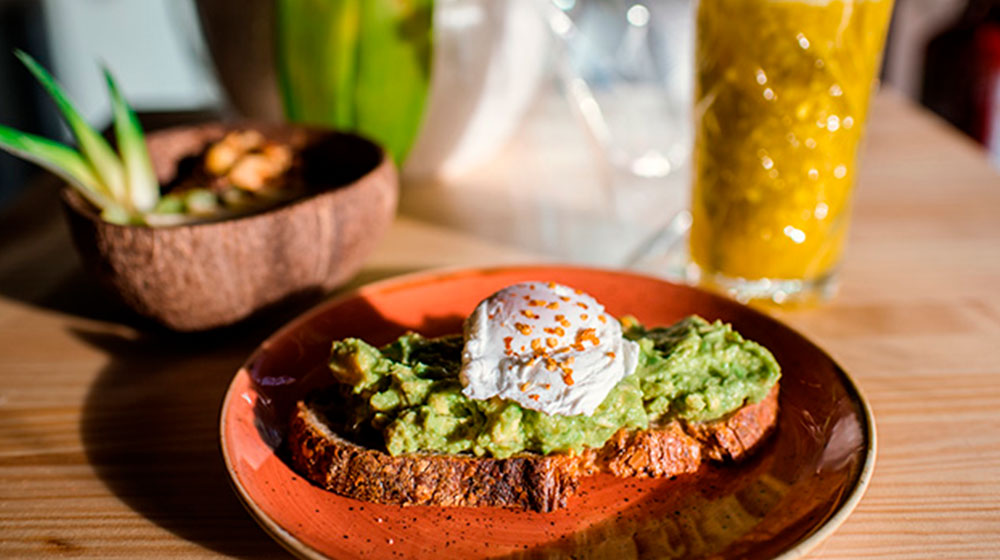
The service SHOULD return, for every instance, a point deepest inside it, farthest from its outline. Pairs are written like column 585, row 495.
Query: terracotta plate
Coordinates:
column 792, row 494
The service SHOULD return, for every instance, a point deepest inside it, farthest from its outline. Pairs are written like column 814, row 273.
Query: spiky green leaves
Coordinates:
column 93, row 147
column 140, row 180
column 57, row 158
column 123, row 186
column 64, row 162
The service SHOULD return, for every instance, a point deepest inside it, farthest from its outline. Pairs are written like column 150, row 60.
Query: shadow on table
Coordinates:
column 39, row 264
column 151, row 422
column 150, row 425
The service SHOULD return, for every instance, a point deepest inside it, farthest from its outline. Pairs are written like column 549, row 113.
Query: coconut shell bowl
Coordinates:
column 204, row 275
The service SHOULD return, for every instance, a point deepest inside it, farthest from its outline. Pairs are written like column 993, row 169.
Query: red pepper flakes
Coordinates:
column 522, row 328
column 552, row 342
column 536, row 345
column 525, row 386
column 568, row 379
column 585, row 335
column 506, row 343
column 566, row 370
column 581, row 305
column 601, row 319
column 547, row 386
column 578, row 292
column 564, row 298
column 611, row 355
column 529, row 314
column 553, row 305
column 558, row 331
column 536, row 303
column 552, row 285
column 533, row 397
column 584, row 316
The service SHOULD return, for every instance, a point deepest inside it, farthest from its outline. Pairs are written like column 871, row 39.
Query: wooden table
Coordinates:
column 108, row 441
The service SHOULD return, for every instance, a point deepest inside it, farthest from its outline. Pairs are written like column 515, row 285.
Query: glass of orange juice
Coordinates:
column 782, row 94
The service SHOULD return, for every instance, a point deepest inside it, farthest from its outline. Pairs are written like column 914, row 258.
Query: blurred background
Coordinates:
column 944, row 54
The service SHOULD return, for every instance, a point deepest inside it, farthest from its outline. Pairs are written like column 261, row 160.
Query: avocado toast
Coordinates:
column 397, row 428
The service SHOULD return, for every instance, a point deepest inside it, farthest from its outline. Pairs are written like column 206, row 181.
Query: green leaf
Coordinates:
column 94, row 148
column 59, row 159
column 170, row 204
column 201, row 202
column 394, row 70
column 359, row 65
column 118, row 215
column 317, row 60
column 54, row 156
column 140, row 179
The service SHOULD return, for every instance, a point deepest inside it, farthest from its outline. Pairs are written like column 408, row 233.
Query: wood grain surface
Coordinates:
column 108, row 428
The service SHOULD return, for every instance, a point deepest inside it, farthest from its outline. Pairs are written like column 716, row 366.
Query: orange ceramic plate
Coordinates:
column 799, row 487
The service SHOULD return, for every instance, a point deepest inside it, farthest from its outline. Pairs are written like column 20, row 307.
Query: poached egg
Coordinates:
column 546, row 347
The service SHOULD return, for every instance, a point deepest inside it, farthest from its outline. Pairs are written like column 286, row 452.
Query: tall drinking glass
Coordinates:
column 781, row 98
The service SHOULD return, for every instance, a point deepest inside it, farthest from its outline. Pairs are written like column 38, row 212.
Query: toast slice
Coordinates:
column 530, row 481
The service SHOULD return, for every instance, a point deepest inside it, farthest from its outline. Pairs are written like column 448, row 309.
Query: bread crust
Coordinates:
column 536, row 482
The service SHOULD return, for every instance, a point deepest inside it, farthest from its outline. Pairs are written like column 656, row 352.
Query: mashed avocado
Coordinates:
column 409, row 391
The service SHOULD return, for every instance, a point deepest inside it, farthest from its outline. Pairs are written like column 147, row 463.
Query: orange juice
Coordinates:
column 782, row 96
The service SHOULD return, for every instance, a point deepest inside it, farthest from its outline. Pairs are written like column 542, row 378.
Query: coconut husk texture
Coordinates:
column 207, row 275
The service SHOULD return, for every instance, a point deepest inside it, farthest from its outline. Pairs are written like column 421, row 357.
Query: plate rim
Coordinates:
column 844, row 510
column 292, row 544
